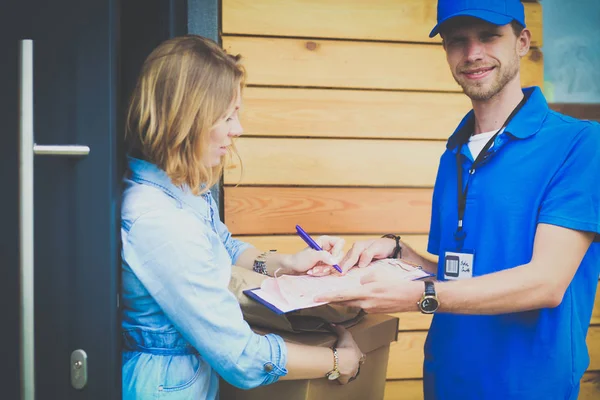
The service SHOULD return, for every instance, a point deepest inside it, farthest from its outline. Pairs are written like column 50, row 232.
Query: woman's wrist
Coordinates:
column 346, row 361
column 283, row 263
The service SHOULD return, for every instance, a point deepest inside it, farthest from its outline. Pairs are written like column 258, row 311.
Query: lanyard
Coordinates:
column 462, row 194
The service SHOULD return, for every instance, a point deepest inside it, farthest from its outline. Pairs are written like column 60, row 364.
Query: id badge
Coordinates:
column 458, row 265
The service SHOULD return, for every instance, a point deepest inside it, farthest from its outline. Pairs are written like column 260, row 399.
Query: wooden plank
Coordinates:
column 413, row 321
column 412, row 389
column 334, row 162
column 590, row 386
column 406, row 355
column 274, row 210
column 578, row 110
column 535, row 22
column 593, row 342
column 344, row 64
column 596, row 311
column 293, row 244
column 351, row 113
column 405, row 21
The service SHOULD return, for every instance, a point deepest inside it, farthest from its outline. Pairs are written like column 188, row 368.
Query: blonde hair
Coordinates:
column 187, row 84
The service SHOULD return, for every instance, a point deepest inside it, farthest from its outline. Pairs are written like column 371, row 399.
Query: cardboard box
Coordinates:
column 373, row 335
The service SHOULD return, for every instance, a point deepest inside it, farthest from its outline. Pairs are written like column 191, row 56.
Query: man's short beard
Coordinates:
column 479, row 93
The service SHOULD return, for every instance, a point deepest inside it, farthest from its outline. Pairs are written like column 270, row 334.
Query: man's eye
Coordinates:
column 489, row 36
column 456, row 41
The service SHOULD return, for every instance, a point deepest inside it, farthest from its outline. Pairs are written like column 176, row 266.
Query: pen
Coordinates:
column 312, row 244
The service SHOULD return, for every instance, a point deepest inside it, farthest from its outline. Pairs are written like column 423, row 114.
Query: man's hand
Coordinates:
column 365, row 251
column 380, row 292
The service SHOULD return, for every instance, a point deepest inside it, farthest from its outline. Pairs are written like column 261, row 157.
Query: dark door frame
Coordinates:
column 92, row 299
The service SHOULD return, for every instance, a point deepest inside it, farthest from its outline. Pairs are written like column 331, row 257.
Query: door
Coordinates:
column 60, row 220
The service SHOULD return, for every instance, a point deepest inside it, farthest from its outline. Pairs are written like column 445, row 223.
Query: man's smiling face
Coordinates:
column 483, row 57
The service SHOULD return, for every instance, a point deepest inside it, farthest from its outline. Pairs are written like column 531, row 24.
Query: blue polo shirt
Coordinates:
column 544, row 168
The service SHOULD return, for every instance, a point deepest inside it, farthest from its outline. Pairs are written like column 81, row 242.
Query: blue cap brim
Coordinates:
column 488, row 16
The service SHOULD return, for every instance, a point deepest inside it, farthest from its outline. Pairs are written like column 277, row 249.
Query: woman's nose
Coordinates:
column 236, row 128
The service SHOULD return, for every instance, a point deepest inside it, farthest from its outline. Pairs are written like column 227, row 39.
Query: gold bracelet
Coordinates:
column 335, row 372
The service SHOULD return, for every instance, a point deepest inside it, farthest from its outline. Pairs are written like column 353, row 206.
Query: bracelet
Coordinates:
column 335, row 372
column 398, row 249
column 260, row 263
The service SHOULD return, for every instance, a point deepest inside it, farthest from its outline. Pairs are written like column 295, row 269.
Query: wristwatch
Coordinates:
column 335, row 372
column 429, row 302
column 260, row 263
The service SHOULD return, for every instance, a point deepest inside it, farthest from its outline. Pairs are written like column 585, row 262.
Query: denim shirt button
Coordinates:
column 160, row 388
column 268, row 367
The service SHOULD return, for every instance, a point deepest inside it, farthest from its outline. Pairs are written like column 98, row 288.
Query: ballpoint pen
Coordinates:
column 312, row 244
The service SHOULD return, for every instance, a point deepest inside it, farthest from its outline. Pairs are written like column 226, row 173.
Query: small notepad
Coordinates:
column 294, row 292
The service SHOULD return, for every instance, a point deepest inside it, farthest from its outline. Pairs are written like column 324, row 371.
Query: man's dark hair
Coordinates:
column 516, row 27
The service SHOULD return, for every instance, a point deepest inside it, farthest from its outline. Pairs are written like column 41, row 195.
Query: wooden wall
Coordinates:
column 346, row 113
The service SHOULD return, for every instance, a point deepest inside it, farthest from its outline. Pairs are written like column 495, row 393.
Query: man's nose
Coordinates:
column 474, row 51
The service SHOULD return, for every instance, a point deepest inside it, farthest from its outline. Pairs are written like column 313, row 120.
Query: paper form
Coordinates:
column 294, row 292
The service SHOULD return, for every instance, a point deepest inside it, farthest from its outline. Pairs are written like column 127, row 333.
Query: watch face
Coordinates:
column 429, row 304
column 333, row 375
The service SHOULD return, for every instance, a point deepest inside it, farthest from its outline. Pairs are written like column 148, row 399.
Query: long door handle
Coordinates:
column 26, row 344
column 70, row 150
column 27, row 150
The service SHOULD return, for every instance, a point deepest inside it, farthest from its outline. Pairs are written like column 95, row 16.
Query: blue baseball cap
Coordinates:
column 497, row 12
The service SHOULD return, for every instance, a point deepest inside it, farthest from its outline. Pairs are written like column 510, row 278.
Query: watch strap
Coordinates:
column 429, row 288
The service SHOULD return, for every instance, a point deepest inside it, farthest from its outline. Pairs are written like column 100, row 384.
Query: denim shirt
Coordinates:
column 182, row 328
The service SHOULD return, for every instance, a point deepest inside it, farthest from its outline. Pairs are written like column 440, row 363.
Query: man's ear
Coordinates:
column 523, row 42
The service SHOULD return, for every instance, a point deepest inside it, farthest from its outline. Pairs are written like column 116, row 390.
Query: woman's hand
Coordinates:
column 349, row 356
column 313, row 262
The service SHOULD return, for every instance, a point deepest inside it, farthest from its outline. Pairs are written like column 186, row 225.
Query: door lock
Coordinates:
column 78, row 369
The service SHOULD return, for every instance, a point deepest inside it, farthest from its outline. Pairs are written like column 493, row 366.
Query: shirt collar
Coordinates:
column 146, row 172
column 527, row 122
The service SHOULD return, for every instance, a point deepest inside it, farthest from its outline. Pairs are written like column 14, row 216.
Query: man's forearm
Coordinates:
column 541, row 283
column 517, row 289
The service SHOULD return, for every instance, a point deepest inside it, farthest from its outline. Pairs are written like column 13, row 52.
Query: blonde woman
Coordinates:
column 182, row 328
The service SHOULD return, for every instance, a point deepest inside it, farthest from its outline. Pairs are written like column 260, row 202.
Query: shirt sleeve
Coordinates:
column 433, row 244
column 234, row 247
column 572, row 199
column 171, row 253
